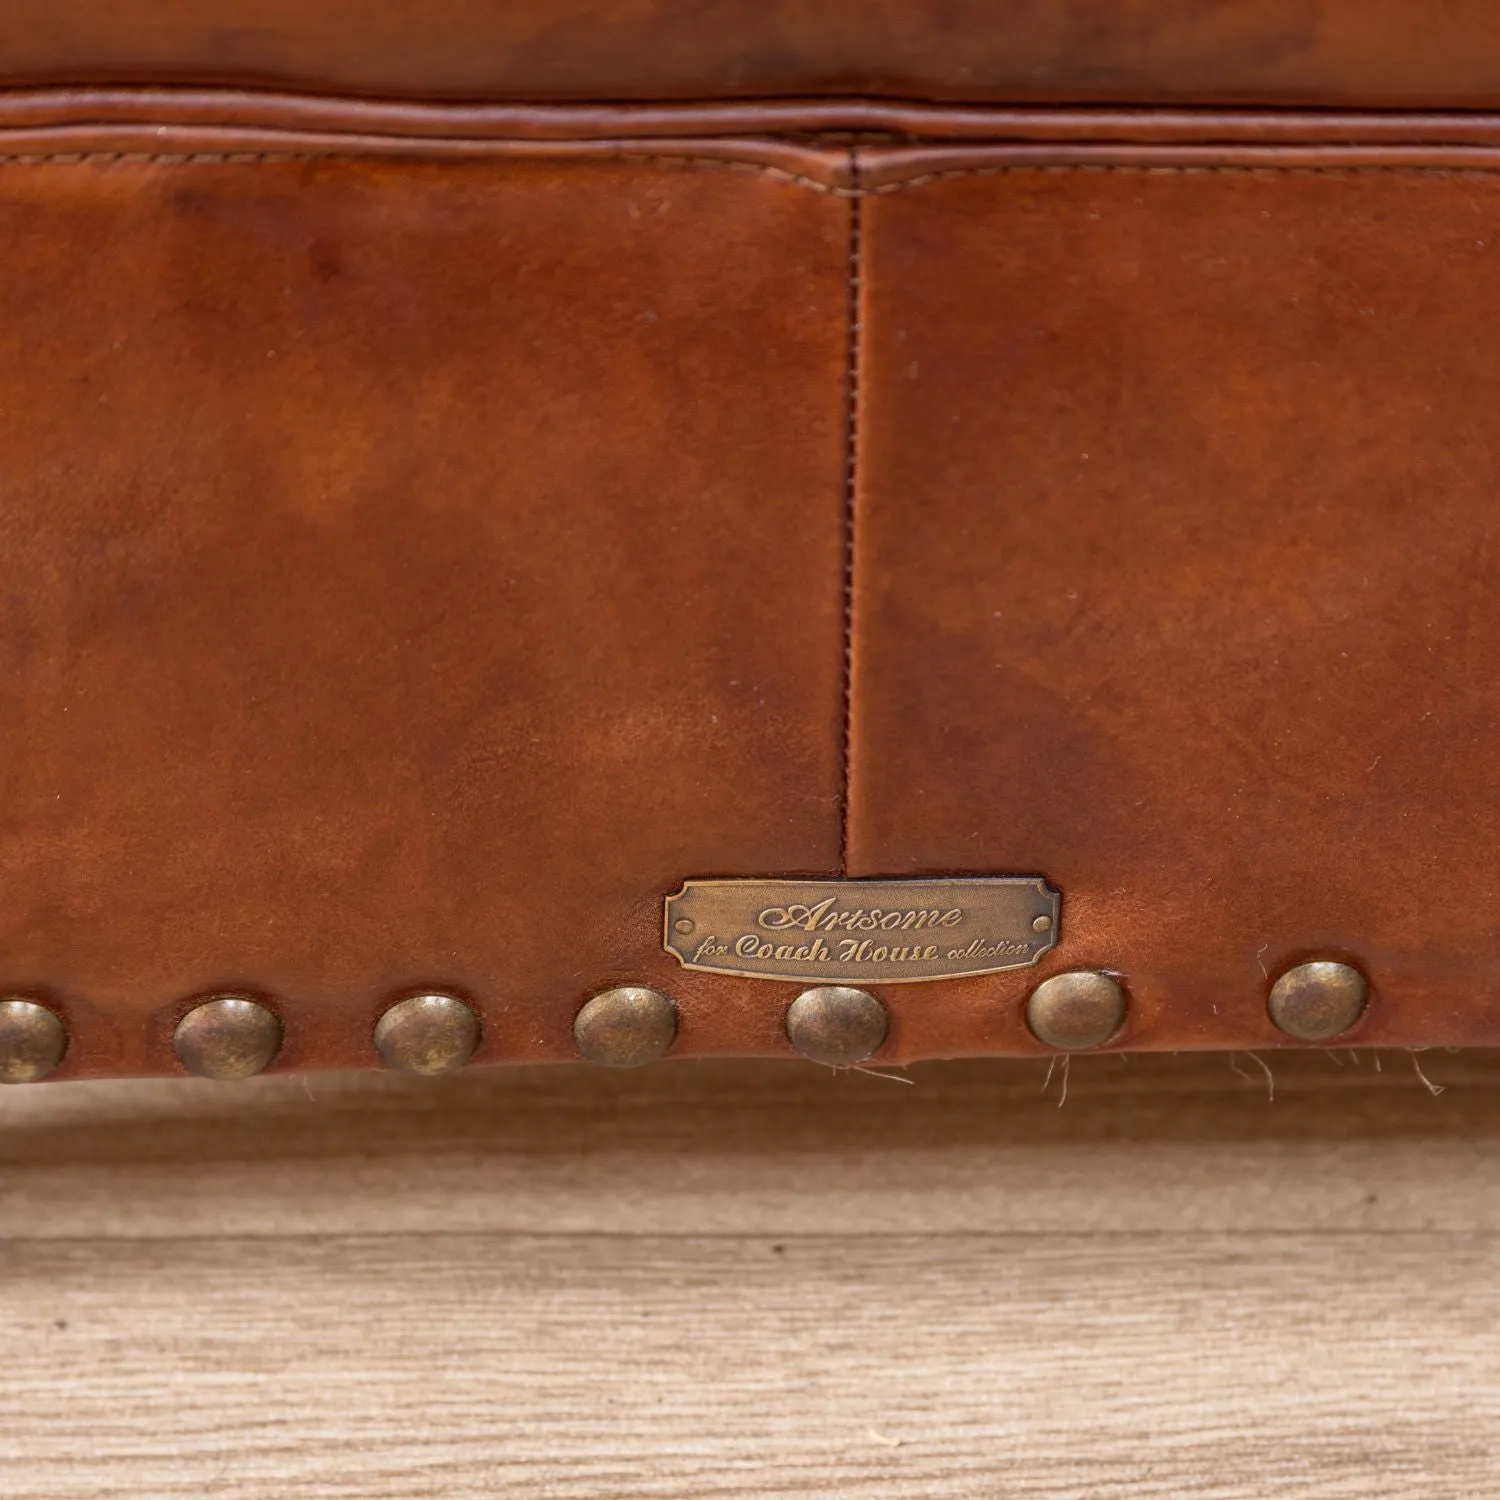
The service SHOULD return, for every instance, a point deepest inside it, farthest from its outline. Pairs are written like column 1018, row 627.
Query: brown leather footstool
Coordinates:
column 878, row 531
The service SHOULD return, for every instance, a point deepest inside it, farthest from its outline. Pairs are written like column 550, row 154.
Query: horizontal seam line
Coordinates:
column 251, row 158
column 778, row 174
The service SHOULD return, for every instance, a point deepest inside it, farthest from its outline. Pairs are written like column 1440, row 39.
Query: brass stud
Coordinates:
column 836, row 1025
column 227, row 1037
column 1073, row 1012
column 1316, row 1001
column 626, row 1027
column 32, row 1040
column 427, row 1034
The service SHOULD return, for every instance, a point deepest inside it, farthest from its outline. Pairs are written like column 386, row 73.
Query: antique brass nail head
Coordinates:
column 33, row 1040
column 626, row 1027
column 1076, row 1011
column 836, row 1025
column 427, row 1034
column 1317, row 1001
column 227, row 1037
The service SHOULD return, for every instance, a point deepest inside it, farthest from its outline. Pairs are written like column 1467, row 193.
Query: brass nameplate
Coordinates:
column 861, row 931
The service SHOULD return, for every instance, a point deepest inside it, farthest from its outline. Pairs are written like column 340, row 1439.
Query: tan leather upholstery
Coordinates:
column 1176, row 579
column 407, row 576
column 430, row 533
column 1391, row 53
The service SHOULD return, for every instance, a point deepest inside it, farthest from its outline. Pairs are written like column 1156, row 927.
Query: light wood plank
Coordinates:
column 1328, row 1366
column 755, row 1279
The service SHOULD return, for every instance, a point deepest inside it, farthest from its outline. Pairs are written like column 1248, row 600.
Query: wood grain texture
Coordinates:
column 735, row 1279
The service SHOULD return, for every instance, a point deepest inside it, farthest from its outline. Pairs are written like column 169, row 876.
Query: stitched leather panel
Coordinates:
column 411, row 570
column 408, row 573
column 1175, row 580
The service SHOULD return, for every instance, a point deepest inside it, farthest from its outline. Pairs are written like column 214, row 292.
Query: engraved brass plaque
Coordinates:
column 861, row 931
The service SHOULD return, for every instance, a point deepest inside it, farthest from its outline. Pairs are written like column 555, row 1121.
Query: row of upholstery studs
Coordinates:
column 235, row 1036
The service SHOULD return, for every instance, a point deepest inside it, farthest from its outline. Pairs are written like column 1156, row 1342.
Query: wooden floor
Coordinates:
column 759, row 1279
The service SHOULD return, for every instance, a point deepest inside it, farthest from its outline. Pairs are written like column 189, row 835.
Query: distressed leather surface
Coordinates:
column 420, row 552
column 1391, row 53
column 1175, row 578
column 406, row 575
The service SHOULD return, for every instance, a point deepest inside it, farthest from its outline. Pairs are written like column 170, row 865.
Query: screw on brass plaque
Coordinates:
column 861, row 931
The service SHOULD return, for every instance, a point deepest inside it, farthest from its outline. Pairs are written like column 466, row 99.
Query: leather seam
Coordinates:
column 853, row 357
column 1166, row 170
column 253, row 158
column 777, row 174
column 160, row 158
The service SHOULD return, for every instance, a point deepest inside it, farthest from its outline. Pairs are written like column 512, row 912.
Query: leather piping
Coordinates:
column 298, row 116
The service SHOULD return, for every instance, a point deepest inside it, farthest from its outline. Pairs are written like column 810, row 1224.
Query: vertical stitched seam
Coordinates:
column 851, row 480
